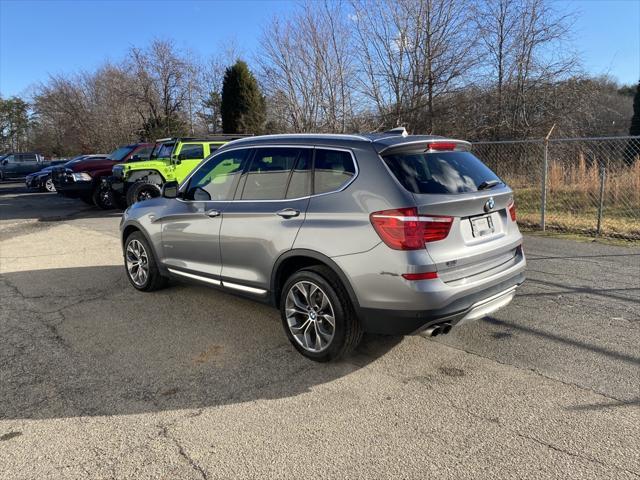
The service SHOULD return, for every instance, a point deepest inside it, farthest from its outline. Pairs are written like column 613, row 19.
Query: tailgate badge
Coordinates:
column 489, row 205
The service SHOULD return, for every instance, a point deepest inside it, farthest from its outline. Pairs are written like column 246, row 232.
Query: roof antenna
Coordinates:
column 398, row 131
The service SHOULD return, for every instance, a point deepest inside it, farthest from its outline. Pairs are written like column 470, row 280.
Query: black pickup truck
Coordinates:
column 19, row 165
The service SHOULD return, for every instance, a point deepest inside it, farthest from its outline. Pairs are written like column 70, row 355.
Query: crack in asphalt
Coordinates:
column 164, row 432
column 503, row 426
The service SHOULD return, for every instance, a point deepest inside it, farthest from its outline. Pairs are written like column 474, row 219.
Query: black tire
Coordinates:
column 348, row 331
column 103, row 197
column 154, row 280
column 141, row 191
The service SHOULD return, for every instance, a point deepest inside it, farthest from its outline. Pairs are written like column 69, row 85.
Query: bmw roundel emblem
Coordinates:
column 489, row 205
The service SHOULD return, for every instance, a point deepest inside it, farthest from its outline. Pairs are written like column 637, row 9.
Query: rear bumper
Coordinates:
column 467, row 308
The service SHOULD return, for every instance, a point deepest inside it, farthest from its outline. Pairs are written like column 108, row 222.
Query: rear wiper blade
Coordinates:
column 488, row 184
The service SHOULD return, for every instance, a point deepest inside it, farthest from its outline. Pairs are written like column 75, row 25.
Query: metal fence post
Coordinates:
column 543, row 202
column 603, row 174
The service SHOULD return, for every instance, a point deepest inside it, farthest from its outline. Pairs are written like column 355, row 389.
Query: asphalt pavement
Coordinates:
column 98, row 380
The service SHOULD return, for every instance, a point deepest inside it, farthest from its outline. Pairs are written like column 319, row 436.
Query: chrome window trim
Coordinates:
column 315, row 147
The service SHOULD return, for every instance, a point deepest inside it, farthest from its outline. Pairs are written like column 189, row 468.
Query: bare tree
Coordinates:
column 162, row 88
column 307, row 69
column 524, row 48
column 412, row 53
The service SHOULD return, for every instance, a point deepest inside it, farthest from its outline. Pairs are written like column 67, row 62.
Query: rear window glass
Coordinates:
column 440, row 172
column 333, row 169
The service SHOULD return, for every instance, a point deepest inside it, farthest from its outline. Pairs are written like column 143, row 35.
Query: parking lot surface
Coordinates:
column 98, row 380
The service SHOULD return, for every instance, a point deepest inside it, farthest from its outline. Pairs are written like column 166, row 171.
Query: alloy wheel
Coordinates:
column 137, row 262
column 49, row 186
column 310, row 316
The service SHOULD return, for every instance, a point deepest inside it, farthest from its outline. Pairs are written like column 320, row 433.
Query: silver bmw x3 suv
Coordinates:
column 344, row 234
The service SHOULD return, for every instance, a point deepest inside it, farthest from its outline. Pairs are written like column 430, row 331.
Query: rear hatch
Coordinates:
column 453, row 189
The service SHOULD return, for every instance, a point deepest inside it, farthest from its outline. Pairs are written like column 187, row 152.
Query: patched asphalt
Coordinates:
column 98, row 380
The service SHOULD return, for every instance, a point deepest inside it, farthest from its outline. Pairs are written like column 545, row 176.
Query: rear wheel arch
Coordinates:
column 295, row 260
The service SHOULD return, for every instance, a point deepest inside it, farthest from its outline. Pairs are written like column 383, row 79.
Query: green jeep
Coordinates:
column 172, row 159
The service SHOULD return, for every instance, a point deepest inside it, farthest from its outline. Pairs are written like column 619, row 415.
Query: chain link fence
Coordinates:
column 575, row 185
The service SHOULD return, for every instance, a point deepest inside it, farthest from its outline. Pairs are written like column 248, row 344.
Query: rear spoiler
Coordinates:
column 428, row 145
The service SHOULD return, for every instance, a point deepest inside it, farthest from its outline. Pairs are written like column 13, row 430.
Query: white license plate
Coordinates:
column 481, row 226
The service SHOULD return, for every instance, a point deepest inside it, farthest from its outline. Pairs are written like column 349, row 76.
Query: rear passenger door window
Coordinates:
column 269, row 173
column 333, row 169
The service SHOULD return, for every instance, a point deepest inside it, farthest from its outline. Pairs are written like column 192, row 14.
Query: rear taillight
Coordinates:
column 512, row 210
column 404, row 229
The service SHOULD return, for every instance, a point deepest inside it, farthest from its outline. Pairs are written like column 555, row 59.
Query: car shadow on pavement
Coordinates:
column 630, row 359
column 19, row 203
column 81, row 341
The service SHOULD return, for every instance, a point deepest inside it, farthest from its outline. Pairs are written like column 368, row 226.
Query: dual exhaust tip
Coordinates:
column 440, row 329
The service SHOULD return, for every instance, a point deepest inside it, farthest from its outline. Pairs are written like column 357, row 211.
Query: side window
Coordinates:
column 333, row 168
column 300, row 183
column 191, row 151
column 269, row 172
column 218, row 177
column 144, row 153
column 10, row 159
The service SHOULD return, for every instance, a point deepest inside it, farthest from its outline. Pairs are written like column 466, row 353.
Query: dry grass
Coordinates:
column 573, row 198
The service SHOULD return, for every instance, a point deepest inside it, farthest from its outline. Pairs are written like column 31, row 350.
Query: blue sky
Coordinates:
column 41, row 37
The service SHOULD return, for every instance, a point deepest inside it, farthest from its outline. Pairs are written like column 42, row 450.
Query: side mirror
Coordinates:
column 4, row 162
column 170, row 190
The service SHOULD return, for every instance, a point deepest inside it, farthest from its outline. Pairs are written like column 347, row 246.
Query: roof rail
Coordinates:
column 207, row 138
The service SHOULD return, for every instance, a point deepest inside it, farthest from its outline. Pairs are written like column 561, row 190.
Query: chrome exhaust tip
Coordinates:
column 446, row 328
column 433, row 331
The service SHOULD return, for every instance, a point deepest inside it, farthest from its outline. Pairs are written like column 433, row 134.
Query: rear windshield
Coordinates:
column 440, row 172
column 119, row 153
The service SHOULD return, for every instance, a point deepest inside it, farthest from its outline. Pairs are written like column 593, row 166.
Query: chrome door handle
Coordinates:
column 288, row 213
column 213, row 213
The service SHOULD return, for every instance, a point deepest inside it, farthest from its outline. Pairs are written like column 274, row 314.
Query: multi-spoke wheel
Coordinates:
column 49, row 186
column 137, row 263
column 310, row 316
column 140, row 263
column 317, row 314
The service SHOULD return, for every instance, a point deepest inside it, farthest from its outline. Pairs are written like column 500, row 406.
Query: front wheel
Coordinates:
column 103, row 197
column 49, row 186
column 141, row 191
column 140, row 264
column 318, row 316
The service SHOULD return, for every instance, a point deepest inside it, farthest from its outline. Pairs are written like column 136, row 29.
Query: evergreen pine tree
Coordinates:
column 635, row 119
column 632, row 152
column 243, row 108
